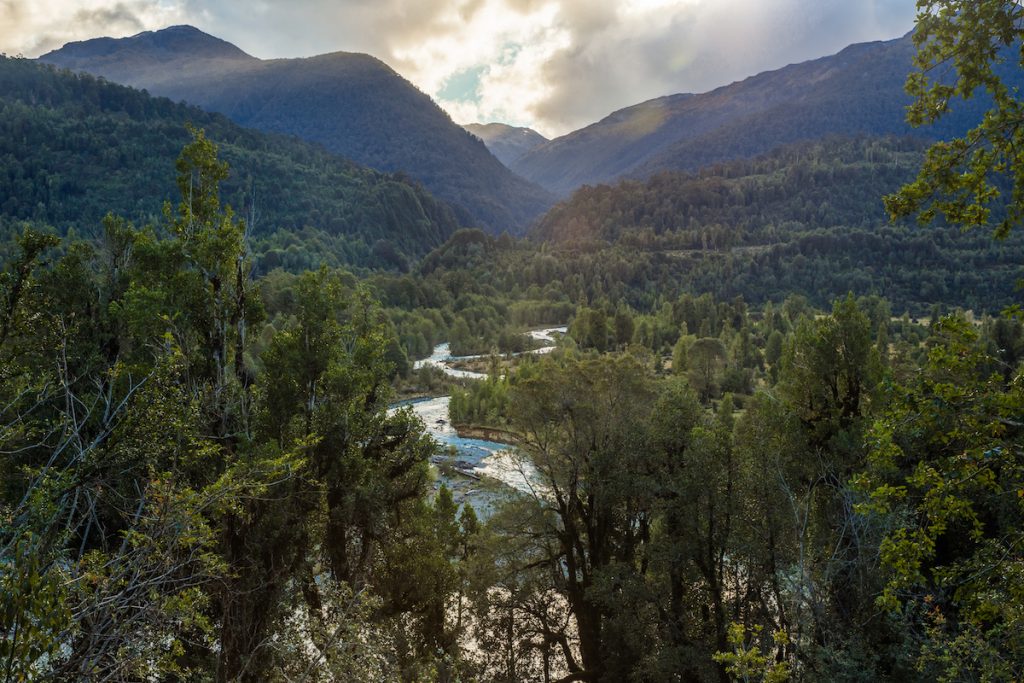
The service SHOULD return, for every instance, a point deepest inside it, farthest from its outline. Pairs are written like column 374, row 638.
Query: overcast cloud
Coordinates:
column 554, row 65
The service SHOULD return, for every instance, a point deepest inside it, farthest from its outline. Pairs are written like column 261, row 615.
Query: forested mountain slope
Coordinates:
column 822, row 184
column 806, row 218
column 352, row 104
column 856, row 91
column 73, row 148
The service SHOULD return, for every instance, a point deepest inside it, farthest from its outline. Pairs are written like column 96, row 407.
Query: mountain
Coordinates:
column 508, row 143
column 857, row 91
column 152, row 56
column 73, row 148
column 352, row 104
column 806, row 218
column 806, row 186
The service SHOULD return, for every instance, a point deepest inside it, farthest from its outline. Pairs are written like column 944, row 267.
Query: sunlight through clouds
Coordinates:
column 507, row 46
column 554, row 65
column 646, row 6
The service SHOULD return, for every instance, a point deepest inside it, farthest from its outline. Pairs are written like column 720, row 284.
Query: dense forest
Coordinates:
column 806, row 219
column 735, row 461
column 718, row 489
column 73, row 148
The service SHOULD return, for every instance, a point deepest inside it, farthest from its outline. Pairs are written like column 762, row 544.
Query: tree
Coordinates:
column 121, row 481
column 817, row 415
column 830, row 371
column 705, row 361
column 521, row 623
column 696, row 484
column 947, row 475
column 213, row 242
column 356, row 493
column 173, row 508
column 773, row 347
column 959, row 178
column 590, row 329
column 583, row 427
column 680, row 351
column 945, row 466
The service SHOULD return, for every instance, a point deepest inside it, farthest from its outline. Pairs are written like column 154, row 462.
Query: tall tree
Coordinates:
column 945, row 460
column 213, row 242
column 121, row 483
column 947, row 475
column 359, row 491
column 583, row 428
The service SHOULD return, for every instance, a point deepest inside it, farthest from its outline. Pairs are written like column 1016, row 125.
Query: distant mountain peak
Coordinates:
column 506, row 142
column 494, row 127
column 186, row 29
column 174, row 43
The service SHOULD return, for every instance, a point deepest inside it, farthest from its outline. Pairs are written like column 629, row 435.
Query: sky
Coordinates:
column 553, row 65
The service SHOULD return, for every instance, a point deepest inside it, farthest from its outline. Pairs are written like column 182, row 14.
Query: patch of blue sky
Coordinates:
column 463, row 86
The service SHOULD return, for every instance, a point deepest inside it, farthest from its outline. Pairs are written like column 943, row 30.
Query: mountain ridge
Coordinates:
column 353, row 104
column 858, row 90
column 178, row 36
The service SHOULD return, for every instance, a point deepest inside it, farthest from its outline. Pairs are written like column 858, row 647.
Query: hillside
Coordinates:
column 508, row 143
column 858, row 91
column 352, row 104
column 821, row 184
column 806, row 218
column 73, row 148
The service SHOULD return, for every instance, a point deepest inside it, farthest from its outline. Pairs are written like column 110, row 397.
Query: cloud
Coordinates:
column 652, row 48
column 34, row 27
column 553, row 64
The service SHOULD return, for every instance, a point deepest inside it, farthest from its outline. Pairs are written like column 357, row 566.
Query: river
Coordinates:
column 476, row 470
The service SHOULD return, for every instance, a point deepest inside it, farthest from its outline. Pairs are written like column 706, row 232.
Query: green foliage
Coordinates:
column 481, row 403
column 168, row 498
column 747, row 662
column 767, row 200
column 945, row 471
column 804, row 219
column 705, row 360
column 773, row 348
column 831, row 370
column 592, row 516
column 641, row 511
column 33, row 613
column 73, row 148
column 591, row 329
column 16, row 279
column 201, row 475
column 978, row 42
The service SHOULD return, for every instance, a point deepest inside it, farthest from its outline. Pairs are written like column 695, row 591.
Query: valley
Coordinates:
column 301, row 380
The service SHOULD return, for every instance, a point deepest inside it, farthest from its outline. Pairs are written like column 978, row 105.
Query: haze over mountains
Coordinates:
column 508, row 143
column 352, row 104
column 857, row 91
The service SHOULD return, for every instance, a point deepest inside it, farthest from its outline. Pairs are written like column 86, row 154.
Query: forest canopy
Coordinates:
column 732, row 459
